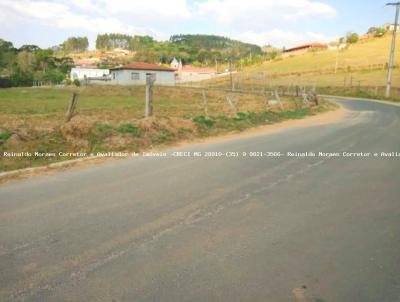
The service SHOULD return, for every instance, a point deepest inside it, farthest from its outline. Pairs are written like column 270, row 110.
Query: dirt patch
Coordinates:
column 118, row 141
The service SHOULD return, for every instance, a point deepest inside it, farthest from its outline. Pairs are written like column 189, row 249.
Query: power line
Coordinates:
column 393, row 48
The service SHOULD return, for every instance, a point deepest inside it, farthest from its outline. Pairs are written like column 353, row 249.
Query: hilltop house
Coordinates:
column 335, row 45
column 391, row 26
column 303, row 48
column 136, row 74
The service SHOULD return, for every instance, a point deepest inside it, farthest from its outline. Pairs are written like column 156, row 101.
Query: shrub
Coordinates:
column 201, row 120
column 380, row 32
column 352, row 37
column 5, row 136
column 129, row 128
column 241, row 116
column 103, row 128
column 77, row 83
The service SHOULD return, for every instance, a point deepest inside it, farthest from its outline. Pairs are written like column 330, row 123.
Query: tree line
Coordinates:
column 28, row 64
column 191, row 49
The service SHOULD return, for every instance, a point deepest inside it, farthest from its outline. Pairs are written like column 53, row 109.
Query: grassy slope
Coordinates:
column 374, row 51
column 361, row 64
column 111, row 119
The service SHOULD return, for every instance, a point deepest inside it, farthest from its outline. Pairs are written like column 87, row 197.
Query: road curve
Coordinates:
column 216, row 229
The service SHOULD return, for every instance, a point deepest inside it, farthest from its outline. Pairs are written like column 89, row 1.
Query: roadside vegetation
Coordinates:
column 111, row 119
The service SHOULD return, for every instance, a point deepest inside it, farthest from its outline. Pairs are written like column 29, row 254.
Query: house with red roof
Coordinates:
column 304, row 48
column 137, row 73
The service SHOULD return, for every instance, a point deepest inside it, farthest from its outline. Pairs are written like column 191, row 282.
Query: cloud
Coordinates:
column 171, row 9
column 281, row 38
column 93, row 16
column 262, row 13
column 245, row 20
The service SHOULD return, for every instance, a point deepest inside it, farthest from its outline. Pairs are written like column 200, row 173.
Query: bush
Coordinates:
column 5, row 82
column 377, row 31
column 352, row 37
column 380, row 32
column 201, row 120
column 103, row 127
column 21, row 78
column 77, row 83
column 5, row 136
column 129, row 128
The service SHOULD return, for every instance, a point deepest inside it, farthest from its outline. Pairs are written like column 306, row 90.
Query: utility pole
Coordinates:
column 393, row 48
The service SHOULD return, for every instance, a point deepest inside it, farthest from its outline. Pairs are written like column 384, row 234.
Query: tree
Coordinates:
column 352, row 37
column 380, row 32
column 112, row 41
column 7, row 54
column 29, row 48
column 377, row 31
column 26, row 61
column 21, row 78
column 75, row 44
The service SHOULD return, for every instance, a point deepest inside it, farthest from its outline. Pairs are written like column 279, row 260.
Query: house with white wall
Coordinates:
column 82, row 73
column 391, row 27
column 136, row 74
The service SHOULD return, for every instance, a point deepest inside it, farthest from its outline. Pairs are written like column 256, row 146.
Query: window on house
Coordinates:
column 135, row 76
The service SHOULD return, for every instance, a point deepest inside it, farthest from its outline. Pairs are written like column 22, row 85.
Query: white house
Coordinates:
column 137, row 73
column 391, row 26
column 82, row 73
column 335, row 45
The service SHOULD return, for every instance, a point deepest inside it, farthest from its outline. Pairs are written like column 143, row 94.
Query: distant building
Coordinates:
column 176, row 64
column 391, row 26
column 191, row 73
column 304, row 48
column 136, row 74
column 82, row 73
column 121, row 51
column 336, row 45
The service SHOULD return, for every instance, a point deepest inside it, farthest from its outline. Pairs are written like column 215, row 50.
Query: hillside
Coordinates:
column 366, row 54
column 200, row 49
column 359, row 65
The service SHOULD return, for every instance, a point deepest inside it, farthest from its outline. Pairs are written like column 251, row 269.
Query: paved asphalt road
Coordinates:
column 217, row 229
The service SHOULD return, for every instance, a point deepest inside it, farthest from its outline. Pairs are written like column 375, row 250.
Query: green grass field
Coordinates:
column 111, row 119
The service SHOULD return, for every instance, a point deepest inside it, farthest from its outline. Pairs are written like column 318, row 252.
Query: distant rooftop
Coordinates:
column 306, row 46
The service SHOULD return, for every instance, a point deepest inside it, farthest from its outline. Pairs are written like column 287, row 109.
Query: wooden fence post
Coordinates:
column 232, row 104
column 149, row 95
column 71, row 107
column 278, row 98
column 205, row 101
column 305, row 98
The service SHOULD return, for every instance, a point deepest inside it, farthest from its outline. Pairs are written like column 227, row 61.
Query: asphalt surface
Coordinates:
column 216, row 229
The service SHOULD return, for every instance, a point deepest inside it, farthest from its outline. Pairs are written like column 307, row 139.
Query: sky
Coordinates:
column 283, row 23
